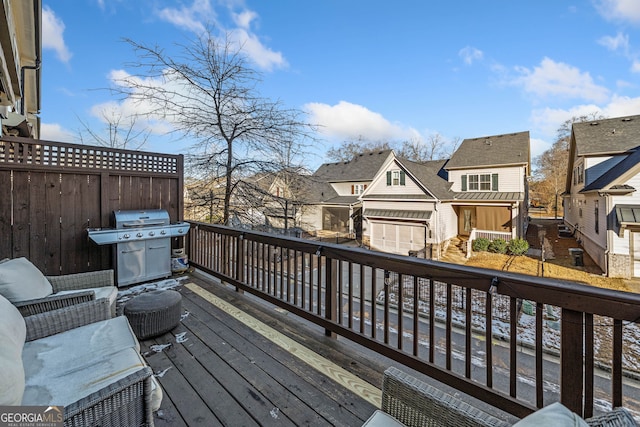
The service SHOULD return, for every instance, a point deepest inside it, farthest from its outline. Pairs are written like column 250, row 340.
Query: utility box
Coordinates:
column 577, row 255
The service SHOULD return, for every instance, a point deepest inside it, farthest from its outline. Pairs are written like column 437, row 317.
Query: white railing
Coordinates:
column 487, row 234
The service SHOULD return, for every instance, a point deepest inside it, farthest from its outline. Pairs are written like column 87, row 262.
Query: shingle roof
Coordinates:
column 496, row 150
column 362, row 167
column 610, row 177
column 608, row 136
column 432, row 175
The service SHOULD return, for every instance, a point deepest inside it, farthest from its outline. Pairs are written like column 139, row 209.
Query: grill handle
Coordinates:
column 132, row 251
column 138, row 224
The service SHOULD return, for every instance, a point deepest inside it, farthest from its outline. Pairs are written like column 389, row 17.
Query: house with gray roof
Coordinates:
column 489, row 184
column 481, row 191
column 333, row 199
column 601, row 204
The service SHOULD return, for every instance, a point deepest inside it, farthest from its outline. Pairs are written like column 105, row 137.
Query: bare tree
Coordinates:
column 209, row 93
column 119, row 132
column 550, row 175
column 351, row 148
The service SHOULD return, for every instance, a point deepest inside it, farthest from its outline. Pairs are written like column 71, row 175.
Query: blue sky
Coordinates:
column 370, row 69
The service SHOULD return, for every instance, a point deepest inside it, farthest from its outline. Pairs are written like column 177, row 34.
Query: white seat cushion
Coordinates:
column 51, row 387
column 382, row 419
column 20, row 280
column 12, row 335
column 556, row 415
column 79, row 347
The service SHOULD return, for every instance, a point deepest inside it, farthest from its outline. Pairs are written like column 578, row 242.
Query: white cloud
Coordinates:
column 54, row 132
column 618, row 43
column 190, row 18
column 547, row 121
column 351, row 121
column 622, row 10
column 200, row 15
column 470, row 54
column 557, row 79
column 635, row 66
column 52, row 34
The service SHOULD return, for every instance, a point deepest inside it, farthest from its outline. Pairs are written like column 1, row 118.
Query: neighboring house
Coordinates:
column 334, row 193
column 601, row 204
column 20, row 55
column 403, row 208
column 489, row 177
column 481, row 191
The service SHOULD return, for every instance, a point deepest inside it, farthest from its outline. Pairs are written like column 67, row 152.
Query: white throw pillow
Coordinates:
column 556, row 415
column 12, row 335
column 21, row 281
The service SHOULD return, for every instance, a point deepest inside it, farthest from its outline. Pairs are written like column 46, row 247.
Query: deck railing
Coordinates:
column 516, row 342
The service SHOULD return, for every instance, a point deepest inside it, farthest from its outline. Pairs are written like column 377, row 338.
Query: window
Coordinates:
column 596, row 210
column 396, row 177
column 358, row 188
column 480, row 182
column 485, row 182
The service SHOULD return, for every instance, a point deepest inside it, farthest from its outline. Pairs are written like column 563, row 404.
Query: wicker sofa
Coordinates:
column 29, row 290
column 408, row 401
column 78, row 357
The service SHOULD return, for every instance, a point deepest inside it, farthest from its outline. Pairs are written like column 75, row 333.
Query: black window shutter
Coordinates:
column 388, row 177
column 464, row 182
column 494, row 182
column 402, row 178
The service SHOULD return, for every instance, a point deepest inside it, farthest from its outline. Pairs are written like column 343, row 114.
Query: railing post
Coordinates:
column 571, row 364
column 331, row 295
column 239, row 273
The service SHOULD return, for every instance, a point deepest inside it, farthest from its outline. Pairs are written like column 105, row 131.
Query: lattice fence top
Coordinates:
column 37, row 153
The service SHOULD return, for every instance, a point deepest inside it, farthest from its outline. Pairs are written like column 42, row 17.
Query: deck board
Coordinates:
column 227, row 373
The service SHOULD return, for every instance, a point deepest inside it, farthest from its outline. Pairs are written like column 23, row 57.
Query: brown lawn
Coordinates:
column 559, row 267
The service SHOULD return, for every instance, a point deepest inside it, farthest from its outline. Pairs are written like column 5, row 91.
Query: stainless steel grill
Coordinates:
column 142, row 243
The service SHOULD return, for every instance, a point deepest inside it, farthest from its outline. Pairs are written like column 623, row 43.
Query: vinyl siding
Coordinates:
column 510, row 179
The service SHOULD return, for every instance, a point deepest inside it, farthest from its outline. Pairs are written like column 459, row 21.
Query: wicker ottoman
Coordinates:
column 153, row 313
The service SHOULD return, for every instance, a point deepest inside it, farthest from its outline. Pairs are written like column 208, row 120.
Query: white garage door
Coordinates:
column 636, row 254
column 399, row 238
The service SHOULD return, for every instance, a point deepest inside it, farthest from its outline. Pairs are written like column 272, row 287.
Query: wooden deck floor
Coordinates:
column 233, row 361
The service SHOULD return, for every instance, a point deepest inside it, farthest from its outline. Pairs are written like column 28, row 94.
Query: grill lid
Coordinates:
column 140, row 218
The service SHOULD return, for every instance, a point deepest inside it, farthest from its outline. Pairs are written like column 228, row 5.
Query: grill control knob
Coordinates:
column 163, row 232
column 152, row 233
column 139, row 235
column 126, row 236
column 180, row 230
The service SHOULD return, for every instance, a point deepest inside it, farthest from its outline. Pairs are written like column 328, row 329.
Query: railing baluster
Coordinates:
column 539, row 359
column 588, row 365
column 488, row 319
column 571, row 367
column 374, row 305
column 432, row 320
column 616, row 362
column 400, row 310
column 350, row 298
column 468, row 332
column 416, row 316
column 387, row 289
column 362, row 298
column 448, row 321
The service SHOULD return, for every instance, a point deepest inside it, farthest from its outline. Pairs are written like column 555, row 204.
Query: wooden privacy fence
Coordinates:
column 516, row 342
column 53, row 192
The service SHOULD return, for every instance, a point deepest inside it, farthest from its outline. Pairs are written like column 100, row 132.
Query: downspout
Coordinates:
column 36, row 67
column 607, row 251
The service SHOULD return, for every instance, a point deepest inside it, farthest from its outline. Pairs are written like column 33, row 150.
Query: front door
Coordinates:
column 466, row 220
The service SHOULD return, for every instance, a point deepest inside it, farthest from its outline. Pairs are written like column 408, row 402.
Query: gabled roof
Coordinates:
column 362, row 167
column 496, row 150
column 608, row 136
column 605, row 137
column 432, row 175
column 614, row 179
